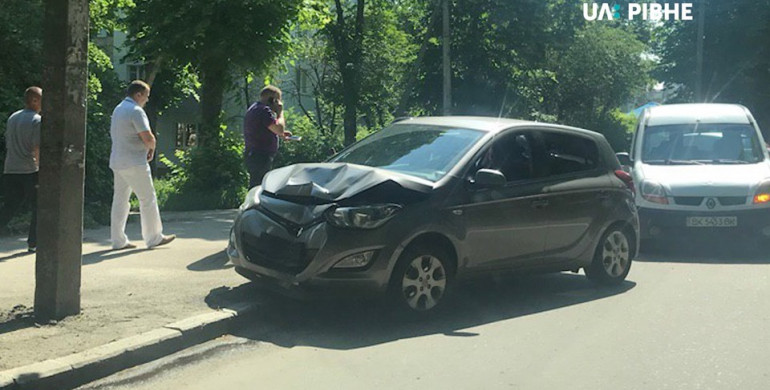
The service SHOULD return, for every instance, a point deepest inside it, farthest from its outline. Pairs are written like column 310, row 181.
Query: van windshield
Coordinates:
column 701, row 144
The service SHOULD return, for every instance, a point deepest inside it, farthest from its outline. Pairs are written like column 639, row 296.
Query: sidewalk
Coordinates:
column 123, row 293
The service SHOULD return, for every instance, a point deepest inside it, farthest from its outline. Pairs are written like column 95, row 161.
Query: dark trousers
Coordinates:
column 258, row 164
column 20, row 192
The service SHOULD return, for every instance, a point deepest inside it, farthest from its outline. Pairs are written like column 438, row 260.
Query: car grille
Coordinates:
column 732, row 200
column 698, row 200
column 688, row 200
column 276, row 253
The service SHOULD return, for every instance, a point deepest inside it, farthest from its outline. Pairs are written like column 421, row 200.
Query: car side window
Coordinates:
column 567, row 153
column 511, row 154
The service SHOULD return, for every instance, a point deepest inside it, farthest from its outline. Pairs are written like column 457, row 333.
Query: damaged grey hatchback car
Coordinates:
column 426, row 202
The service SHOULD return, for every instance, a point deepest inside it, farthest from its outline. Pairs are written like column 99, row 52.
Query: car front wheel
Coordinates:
column 612, row 259
column 420, row 279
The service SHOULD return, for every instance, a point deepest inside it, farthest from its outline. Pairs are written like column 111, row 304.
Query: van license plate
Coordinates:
column 710, row 222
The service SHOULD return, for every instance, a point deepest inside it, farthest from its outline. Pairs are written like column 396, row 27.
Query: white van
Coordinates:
column 700, row 168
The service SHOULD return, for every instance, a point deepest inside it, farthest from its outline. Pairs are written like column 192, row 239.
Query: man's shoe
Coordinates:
column 166, row 240
column 127, row 246
column 32, row 249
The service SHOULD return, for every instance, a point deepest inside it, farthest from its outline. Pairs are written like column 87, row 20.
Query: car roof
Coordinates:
column 674, row 114
column 488, row 124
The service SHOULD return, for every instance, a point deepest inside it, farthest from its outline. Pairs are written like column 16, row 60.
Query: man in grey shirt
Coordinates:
column 22, row 142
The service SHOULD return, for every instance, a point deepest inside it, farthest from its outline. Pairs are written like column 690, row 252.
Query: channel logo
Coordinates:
column 644, row 11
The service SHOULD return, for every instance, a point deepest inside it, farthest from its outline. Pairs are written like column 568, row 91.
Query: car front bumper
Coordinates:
column 301, row 264
column 656, row 223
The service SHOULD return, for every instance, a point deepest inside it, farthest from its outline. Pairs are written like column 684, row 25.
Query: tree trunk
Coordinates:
column 62, row 160
column 212, row 93
column 349, row 52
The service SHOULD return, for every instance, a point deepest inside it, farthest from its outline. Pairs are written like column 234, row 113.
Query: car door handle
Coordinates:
column 539, row 203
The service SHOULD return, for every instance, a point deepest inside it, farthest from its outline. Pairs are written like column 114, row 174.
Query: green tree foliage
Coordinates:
column 215, row 37
column 21, row 66
column 736, row 55
column 537, row 60
column 603, row 69
column 354, row 56
column 21, row 43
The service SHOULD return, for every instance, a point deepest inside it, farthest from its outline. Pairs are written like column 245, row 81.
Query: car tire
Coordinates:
column 421, row 279
column 613, row 257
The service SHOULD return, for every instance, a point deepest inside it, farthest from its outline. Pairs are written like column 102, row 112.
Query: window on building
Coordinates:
column 186, row 135
column 136, row 72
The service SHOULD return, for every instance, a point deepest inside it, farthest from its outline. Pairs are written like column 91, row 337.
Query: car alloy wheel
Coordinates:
column 616, row 254
column 613, row 257
column 424, row 283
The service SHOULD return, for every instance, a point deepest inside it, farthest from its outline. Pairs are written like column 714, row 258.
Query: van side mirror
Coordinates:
column 625, row 159
column 489, row 178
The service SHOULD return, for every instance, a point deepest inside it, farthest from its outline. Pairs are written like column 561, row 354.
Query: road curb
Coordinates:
column 71, row 371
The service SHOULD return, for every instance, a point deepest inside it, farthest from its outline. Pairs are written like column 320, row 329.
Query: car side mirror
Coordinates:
column 489, row 178
column 625, row 159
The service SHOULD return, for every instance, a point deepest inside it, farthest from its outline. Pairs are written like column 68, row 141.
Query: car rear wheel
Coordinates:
column 421, row 279
column 612, row 260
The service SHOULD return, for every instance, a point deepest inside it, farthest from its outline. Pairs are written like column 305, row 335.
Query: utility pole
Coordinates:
column 699, row 52
column 62, row 160
column 447, row 41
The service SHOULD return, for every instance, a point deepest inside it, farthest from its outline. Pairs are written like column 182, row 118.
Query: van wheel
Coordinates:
column 421, row 279
column 612, row 259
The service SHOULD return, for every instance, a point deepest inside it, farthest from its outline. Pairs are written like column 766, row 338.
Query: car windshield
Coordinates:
column 701, row 144
column 428, row 152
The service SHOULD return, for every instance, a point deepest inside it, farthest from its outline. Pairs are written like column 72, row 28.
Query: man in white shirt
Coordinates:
column 22, row 141
column 133, row 147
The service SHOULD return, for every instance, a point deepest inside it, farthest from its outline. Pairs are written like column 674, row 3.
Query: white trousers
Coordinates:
column 139, row 181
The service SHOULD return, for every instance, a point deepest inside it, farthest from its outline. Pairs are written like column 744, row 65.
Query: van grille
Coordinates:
column 732, row 200
column 688, row 200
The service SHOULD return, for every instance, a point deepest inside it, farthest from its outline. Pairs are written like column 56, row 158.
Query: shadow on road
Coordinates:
column 16, row 255
column 212, row 262
column 108, row 254
column 705, row 249
column 19, row 317
column 350, row 325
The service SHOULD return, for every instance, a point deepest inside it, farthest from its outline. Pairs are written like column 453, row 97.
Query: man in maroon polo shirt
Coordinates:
column 262, row 126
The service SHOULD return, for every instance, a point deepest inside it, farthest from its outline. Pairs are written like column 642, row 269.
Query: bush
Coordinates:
column 314, row 147
column 213, row 177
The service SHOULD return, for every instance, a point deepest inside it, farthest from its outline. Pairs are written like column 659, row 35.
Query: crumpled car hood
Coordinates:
column 334, row 182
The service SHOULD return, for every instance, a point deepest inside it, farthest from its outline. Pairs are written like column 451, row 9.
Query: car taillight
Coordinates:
column 626, row 178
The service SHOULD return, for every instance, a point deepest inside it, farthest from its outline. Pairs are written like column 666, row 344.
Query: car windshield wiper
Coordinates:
column 655, row 162
column 684, row 162
column 729, row 161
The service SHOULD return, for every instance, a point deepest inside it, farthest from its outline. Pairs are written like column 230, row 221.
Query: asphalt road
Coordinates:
column 689, row 317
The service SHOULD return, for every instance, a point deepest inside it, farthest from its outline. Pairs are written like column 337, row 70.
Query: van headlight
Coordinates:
column 762, row 195
column 654, row 192
column 362, row 217
column 252, row 199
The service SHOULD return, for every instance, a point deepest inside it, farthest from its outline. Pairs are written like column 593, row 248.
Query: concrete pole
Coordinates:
column 62, row 159
column 447, row 41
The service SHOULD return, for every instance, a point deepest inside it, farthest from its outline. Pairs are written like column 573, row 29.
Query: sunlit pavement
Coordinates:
column 688, row 317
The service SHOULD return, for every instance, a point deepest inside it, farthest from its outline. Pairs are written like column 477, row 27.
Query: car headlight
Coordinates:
column 654, row 192
column 362, row 217
column 762, row 195
column 252, row 199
